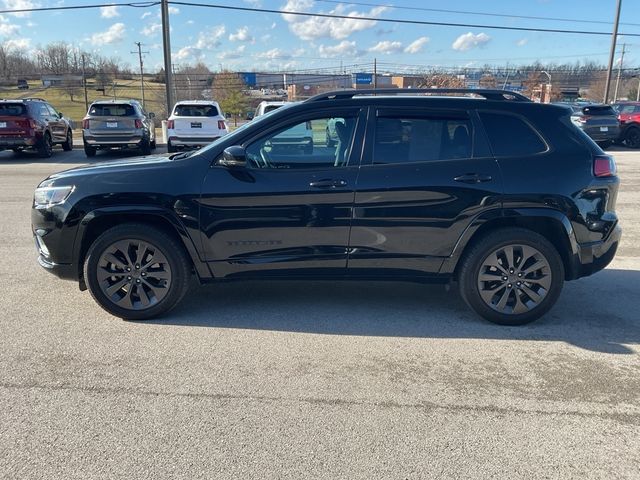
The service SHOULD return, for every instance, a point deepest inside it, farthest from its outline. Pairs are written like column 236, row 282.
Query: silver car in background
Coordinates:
column 118, row 124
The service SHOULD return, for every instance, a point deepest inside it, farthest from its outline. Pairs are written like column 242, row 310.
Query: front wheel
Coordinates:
column 512, row 276
column 136, row 272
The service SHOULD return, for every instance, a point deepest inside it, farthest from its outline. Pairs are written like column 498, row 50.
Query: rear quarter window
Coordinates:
column 511, row 136
column 12, row 109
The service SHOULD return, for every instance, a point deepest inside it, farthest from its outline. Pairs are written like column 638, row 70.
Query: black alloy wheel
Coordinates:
column 512, row 276
column 67, row 145
column 45, row 149
column 136, row 271
column 632, row 137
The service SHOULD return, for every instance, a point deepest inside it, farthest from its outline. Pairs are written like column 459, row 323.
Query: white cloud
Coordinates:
column 242, row 35
column 273, row 54
column 207, row 40
column 145, row 15
column 7, row 29
column 114, row 34
column 151, row 30
column 174, row 10
column 343, row 49
column 417, row 45
column 190, row 22
column 522, row 42
column 233, row 54
column 109, row 12
column 468, row 40
column 17, row 44
column 20, row 5
column 387, row 47
column 309, row 28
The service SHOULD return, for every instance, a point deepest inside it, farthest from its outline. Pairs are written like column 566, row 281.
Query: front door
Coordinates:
column 424, row 178
column 289, row 211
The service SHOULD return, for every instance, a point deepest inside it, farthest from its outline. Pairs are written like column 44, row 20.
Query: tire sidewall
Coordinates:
column 469, row 275
column 150, row 235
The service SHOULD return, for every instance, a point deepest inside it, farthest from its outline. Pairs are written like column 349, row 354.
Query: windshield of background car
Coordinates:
column 195, row 111
column 12, row 109
column 112, row 110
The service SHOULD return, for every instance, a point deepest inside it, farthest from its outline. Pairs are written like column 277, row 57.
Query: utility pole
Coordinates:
column 615, row 94
column 612, row 52
column 140, row 52
column 84, row 84
column 375, row 74
column 166, row 47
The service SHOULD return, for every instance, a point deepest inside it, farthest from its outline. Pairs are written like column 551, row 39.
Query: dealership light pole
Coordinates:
column 612, row 53
column 166, row 46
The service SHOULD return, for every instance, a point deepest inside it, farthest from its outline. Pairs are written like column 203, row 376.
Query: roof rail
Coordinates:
column 33, row 99
column 501, row 95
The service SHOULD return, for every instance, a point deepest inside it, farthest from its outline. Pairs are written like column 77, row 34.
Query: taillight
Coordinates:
column 583, row 119
column 138, row 123
column 604, row 166
column 170, row 124
column 85, row 124
column 221, row 125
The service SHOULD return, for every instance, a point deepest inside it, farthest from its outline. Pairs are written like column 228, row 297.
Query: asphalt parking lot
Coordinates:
column 313, row 380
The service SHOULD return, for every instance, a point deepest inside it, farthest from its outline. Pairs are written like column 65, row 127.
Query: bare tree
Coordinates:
column 441, row 80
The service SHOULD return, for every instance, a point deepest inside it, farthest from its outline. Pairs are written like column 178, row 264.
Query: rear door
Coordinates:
column 57, row 125
column 193, row 120
column 427, row 174
column 14, row 120
column 112, row 119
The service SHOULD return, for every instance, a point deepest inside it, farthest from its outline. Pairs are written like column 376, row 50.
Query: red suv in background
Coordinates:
column 33, row 124
column 629, row 117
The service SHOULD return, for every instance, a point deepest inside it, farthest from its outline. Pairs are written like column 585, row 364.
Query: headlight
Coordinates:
column 49, row 196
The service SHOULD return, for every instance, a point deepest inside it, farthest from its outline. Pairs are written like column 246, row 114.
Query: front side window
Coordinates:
column 314, row 143
column 511, row 136
column 421, row 139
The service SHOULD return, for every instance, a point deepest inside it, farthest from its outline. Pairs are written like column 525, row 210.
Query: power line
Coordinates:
column 393, row 20
column 466, row 12
column 80, row 7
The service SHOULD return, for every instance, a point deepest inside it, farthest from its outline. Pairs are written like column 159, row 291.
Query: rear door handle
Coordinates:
column 328, row 183
column 473, row 178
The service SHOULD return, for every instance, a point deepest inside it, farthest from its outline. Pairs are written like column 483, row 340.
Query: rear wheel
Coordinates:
column 632, row 137
column 512, row 276
column 136, row 272
column 171, row 148
column 45, row 149
column 89, row 151
column 67, row 145
column 145, row 147
column 604, row 145
column 153, row 144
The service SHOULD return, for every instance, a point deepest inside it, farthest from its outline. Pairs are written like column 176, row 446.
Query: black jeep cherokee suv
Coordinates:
column 505, row 196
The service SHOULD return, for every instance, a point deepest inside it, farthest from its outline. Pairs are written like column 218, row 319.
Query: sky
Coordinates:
column 258, row 41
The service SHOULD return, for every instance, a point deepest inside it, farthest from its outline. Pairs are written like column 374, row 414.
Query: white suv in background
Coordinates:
column 194, row 124
column 295, row 138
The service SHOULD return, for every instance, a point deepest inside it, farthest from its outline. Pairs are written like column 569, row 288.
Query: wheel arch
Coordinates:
column 99, row 221
column 551, row 224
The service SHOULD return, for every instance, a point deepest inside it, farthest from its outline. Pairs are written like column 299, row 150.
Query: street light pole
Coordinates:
column 612, row 52
column 548, row 84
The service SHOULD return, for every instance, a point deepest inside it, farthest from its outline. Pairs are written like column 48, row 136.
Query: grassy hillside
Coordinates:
column 75, row 110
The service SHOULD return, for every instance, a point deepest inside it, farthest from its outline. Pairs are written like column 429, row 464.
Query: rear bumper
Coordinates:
column 17, row 142
column 611, row 134
column 177, row 141
column 595, row 256
column 113, row 140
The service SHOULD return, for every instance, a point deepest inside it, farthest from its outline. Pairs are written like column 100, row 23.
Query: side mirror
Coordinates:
column 60, row 115
column 233, row 157
column 152, row 115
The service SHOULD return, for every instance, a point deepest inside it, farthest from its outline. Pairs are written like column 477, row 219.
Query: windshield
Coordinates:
column 239, row 131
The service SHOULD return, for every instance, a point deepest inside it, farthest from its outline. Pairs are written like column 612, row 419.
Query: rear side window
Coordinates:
column 12, row 109
column 195, row 111
column 511, row 136
column 420, row 139
column 112, row 110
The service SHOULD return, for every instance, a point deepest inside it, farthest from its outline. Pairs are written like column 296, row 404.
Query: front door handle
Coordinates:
column 328, row 183
column 473, row 178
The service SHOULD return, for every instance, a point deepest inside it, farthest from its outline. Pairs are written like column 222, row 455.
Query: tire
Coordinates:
column 632, row 137
column 605, row 145
column 145, row 147
column 523, row 303
column 329, row 142
column 67, row 145
column 137, row 296
column 171, row 148
column 89, row 151
column 153, row 144
column 45, row 148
